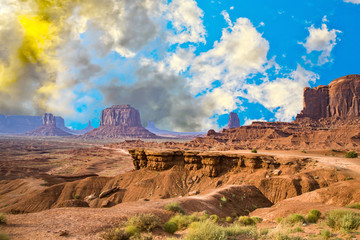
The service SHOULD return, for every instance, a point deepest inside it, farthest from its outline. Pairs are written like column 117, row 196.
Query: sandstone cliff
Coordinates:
column 340, row 99
column 120, row 121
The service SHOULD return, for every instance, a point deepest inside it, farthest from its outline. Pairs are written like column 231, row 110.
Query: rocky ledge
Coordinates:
column 211, row 164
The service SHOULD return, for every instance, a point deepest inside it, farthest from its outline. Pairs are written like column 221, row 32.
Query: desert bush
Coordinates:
column 246, row 221
column 223, row 199
column 257, row 219
column 293, row 219
column 76, row 196
column 238, row 230
column 144, row 222
column 282, row 236
column 142, row 236
column 206, row 230
column 311, row 218
column 254, row 150
column 4, row 236
column 315, row 212
column 296, row 230
column 132, row 230
column 354, row 205
column 174, row 207
column 183, row 221
column 229, row 219
column 343, row 220
column 170, row 227
column 279, row 220
column 351, row 154
column 2, row 219
column 214, row 218
column 325, row 234
column 115, row 234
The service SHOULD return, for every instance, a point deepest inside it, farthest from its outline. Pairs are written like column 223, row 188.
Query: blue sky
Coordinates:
column 186, row 64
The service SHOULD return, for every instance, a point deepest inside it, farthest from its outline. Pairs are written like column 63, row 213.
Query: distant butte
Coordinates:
column 234, row 121
column 120, row 121
column 48, row 128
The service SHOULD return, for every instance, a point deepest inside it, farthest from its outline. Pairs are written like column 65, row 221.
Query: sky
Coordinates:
column 184, row 64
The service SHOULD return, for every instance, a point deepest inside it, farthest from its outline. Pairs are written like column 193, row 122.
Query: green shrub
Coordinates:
column 115, row 234
column 257, row 219
column 132, row 230
column 174, row 207
column 353, row 205
column 279, row 220
column 223, row 199
column 293, row 219
column 4, row 236
column 76, row 196
column 170, row 227
column 325, row 234
column 343, row 220
column 315, row 212
column 144, row 222
column 311, row 218
column 237, row 230
column 2, row 219
column 303, row 151
column 296, row 230
column 246, row 221
column 183, row 221
column 206, row 230
column 351, row 154
column 229, row 219
column 214, row 218
column 254, row 150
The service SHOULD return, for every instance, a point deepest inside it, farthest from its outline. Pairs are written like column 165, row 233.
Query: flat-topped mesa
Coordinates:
column 48, row 120
column 340, row 100
column 210, row 164
column 120, row 121
column 120, row 115
column 234, row 121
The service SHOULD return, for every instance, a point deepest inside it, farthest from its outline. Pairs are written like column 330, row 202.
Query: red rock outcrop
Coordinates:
column 120, row 121
column 340, row 99
column 48, row 128
column 234, row 121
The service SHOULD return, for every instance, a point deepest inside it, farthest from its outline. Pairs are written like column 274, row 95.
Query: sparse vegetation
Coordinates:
column 2, row 219
column 4, row 236
column 313, row 216
column 296, row 230
column 303, row 151
column 115, row 234
column 293, row 219
column 214, row 218
column 351, row 154
column 76, row 196
column 170, row 227
column 206, row 230
column 229, row 219
column 246, row 221
column 279, row 220
column 183, row 221
column 354, row 205
column 254, row 150
column 174, row 207
column 144, row 222
column 257, row 219
column 343, row 220
column 223, row 199
column 325, row 234
column 132, row 230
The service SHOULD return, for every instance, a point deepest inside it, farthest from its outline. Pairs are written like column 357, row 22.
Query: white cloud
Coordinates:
column 284, row 95
column 250, row 121
column 321, row 40
column 241, row 51
column 186, row 18
column 353, row 1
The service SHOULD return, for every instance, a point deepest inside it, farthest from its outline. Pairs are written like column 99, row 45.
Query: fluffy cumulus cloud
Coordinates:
column 321, row 40
column 282, row 95
column 186, row 19
column 353, row 1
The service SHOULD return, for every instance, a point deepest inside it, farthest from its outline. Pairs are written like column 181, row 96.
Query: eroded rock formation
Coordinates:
column 48, row 128
column 120, row 121
column 234, row 121
column 340, row 99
